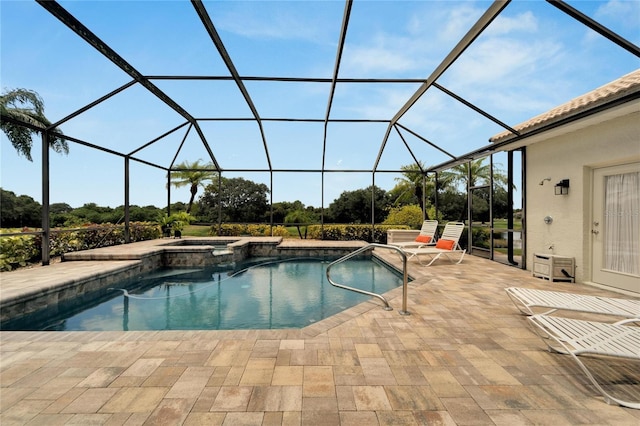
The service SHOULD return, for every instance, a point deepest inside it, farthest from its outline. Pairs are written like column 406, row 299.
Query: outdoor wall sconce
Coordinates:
column 562, row 187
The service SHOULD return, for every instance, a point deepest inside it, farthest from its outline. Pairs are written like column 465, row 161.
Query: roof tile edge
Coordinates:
column 625, row 85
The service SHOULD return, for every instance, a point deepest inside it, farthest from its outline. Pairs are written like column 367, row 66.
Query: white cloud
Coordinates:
column 261, row 20
column 626, row 12
column 377, row 103
column 378, row 58
column 423, row 114
column 419, row 44
column 458, row 22
column 443, row 24
column 524, row 22
column 497, row 59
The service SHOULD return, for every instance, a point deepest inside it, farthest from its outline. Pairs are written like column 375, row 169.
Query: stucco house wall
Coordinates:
column 608, row 138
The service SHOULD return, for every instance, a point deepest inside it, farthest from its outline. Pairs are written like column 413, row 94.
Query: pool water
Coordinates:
column 269, row 294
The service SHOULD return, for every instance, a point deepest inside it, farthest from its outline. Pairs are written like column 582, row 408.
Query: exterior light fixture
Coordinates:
column 562, row 187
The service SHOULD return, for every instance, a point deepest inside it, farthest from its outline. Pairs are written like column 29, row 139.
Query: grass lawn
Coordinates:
column 196, row 230
column 502, row 224
column 516, row 252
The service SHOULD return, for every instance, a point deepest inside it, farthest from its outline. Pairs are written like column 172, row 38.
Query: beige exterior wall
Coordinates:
column 572, row 153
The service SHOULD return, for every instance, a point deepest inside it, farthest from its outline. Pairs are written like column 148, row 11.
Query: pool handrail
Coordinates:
column 379, row 296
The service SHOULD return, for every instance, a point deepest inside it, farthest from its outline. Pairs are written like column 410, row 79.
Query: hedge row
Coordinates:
column 331, row 232
column 19, row 250
column 254, row 230
column 352, row 232
column 23, row 249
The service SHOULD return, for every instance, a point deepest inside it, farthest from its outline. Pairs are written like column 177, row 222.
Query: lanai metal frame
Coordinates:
column 192, row 123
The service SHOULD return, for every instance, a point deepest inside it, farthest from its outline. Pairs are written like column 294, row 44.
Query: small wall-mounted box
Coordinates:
column 551, row 267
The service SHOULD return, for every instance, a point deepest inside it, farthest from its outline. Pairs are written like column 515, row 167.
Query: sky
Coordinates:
column 532, row 58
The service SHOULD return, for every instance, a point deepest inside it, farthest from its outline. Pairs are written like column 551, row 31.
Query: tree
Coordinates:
column 458, row 176
column 480, row 172
column 298, row 217
column 60, row 208
column 241, row 200
column 60, row 214
column 28, row 107
column 283, row 208
column 192, row 175
column 92, row 213
column 137, row 213
column 409, row 188
column 355, row 206
column 452, row 204
column 19, row 211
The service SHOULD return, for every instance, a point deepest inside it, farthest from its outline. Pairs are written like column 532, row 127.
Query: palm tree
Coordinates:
column 479, row 172
column 297, row 217
column 28, row 107
column 409, row 188
column 194, row 175
column 459, row 176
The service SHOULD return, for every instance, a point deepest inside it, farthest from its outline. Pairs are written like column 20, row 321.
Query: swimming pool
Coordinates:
column 263, row 294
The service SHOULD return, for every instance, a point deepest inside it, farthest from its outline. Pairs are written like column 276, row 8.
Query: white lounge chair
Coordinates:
column 579, row 337
column 526, row 299
column 426, row 237
column 448, row 245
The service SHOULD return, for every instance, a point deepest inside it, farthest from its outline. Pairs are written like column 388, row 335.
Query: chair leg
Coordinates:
column 432, row 259
column 453, row 260
column 519, row 303
column 522, row 305
column 436, row 256
column 608, row 398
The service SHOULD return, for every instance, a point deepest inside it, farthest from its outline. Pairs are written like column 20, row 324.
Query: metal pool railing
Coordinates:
column 379, row 296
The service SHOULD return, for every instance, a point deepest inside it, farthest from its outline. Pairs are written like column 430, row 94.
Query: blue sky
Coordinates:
column 532, row 57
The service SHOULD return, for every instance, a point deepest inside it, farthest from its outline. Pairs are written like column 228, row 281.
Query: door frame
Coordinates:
column 599, row 275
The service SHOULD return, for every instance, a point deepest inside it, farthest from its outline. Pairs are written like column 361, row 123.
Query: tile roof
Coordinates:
column 617, row 89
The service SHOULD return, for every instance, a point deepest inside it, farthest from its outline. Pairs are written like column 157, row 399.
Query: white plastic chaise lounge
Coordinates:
column 448, row 245
column 526, row 299
column 590, row 338
column 426, row 237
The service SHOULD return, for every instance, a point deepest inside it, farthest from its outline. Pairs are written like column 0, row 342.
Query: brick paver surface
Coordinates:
column 464, row 356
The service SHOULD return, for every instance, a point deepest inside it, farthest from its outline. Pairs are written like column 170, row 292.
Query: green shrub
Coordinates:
column 228, row 230
column 280, row 231
column 20, row 250
column 97, row 236
column 410, row 215
column 258, row 230
column 334, row 232
column 481, row 237
column 144, row 231
column 254, row 230
column 66, row 242
column 17, row 251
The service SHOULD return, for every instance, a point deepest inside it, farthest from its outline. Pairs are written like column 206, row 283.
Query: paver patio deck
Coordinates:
column 464, row 356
